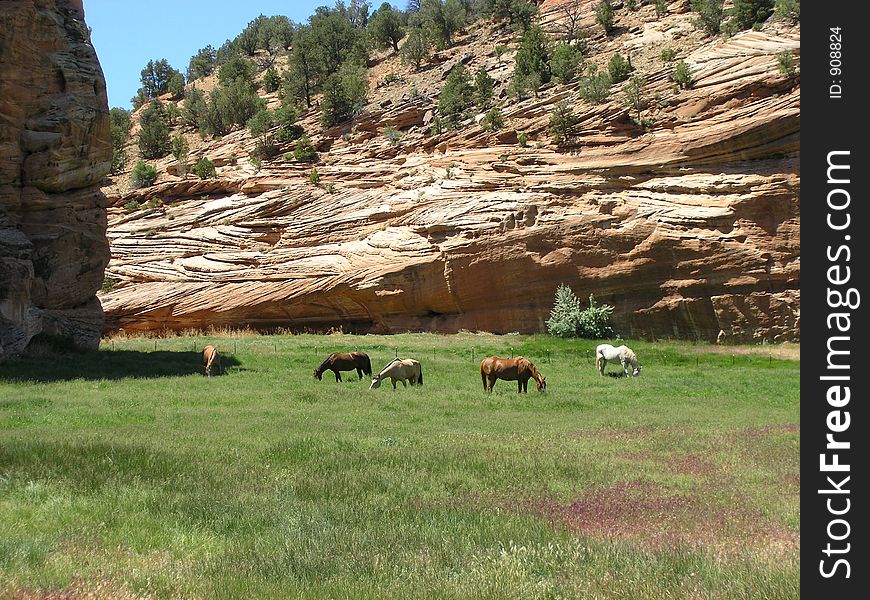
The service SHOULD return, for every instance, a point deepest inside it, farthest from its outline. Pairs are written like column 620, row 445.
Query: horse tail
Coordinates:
column 420, row 376
column 367, row 365
column 483, row 378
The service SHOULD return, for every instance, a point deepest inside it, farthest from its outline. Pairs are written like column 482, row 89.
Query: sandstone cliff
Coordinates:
column 54, row 151
column 687, row 227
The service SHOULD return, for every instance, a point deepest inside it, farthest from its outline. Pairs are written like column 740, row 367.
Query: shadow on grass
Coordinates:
column 121, row 364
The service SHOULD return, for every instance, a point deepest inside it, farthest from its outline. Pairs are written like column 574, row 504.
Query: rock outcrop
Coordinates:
column 687, row 226
column 55, row 149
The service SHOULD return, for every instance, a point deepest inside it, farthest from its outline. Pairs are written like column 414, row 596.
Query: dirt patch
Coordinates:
column 93, row 590
column 763, row 432
column 648, row 514
column 680, row 464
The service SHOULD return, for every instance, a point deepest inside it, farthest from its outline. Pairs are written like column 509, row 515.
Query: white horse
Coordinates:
column 400, row 369
column 623, row 354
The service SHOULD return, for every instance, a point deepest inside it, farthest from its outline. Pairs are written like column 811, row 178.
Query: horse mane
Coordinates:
column 387, row 366
column 324, row 364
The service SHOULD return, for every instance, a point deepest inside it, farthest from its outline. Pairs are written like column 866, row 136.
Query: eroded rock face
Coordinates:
column 687, row 227
column 55, row 149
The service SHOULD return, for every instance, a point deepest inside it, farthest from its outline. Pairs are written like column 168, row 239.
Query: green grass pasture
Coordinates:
column 125, row 473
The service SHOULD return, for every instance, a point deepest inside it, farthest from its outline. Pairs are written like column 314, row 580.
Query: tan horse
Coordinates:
column 337, row 361
column 400, row 369
column 211, row 361
column 517, row 369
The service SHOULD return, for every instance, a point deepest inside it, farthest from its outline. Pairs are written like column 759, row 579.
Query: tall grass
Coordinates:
column 126, row 473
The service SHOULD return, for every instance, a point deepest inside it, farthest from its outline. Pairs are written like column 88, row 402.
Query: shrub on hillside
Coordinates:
column 456, row 96
column 595, row 87
column 154, row 132
column 202, row 63
column 747, row 13
column 710, row 14
column 788, row 9
column 532, row 62
column 493, row 120
column 194, row 110
column 344, row 95
column 682, row 75
column 605, row 14
column 386, row 28
column 271, row 80
column 565, row 62
column 305, row 151
column 567, row 319
column 119, row 124
column 668, row 54
column 180, row 148
column 143, row 175
column 562, row 120
column 661, row 8
column 483, row 89
column 416, row 48
column 619, row 68
column 204, row 168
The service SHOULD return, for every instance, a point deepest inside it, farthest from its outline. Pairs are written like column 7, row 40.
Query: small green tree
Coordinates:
column 456, row 96
column 661, row 8
column 562, row 120
column 605, row 14
column 785, row 62
column 565, row 62
column 443, row 19
column 619, row 68
column 271, row 80
column 483, row 89
column 176, row 85
column 344, row 95
column 119, row 123
column 595, row 87
column 415, row 48
column 788, row 9
column 202, row 63
column 236, row 68
column 204, row 168
column 285, row 118
column 747, row 13
column 143, row 175
column 156, row 78
column 304, row 151
column 634, row 95
column 532, row 62
column 710, row 14
column 180, row 148
column 386, row 27
column 565, row 315
column 194, row 110
column 260, row 126
column 668, row 54
column 594, row 322
column 154, row 132
column 492, row 120
column 682, row 75
column 314, row 177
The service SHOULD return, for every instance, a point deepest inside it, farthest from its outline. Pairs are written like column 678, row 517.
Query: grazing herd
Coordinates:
column 408, row 370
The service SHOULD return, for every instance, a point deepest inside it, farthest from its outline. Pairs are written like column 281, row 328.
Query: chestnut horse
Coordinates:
column 517, row 369
column 337, row 361
column 211, row 361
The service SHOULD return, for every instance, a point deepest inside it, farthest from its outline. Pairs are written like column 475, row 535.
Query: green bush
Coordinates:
column 119, row 124
column 392, row 134
column 156, row 78
column 385, row 27
column 785, row 62
column 202, row 63
column 710, row 14
column 143, row 175
column 483, row 89
column 605, row 14
column 532, row 62
column 668, row 54
column 416, row 48
column 344, row 95
column 260, row 126
column 204, row 168
column 788, row 9
column 176, row 85
column 456, row 96
column 442, row 19
column 661, row 8
column 595, row 87
column 619, row 68
column 304, row 151
column 314, row 177
column 748, row 13
column 154, row 132
column 523, row 139
column 682, row 75
column 271, row 80
column 565, row 315
column 594, row 322
column 236, row 68
column 634, row 95
column 180, row 148
column 285, row 118
column 562, row 120
column 493, row 120
column 565, row 62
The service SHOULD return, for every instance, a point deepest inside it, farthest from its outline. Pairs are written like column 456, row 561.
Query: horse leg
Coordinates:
column 602, row 362
column 491, row 381
column 404, row 383
column 394, row 382
column 337, row 376
column 625, row 368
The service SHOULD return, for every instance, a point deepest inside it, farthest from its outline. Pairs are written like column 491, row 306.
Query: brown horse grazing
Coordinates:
column 517, row 369
column 337, row 361
column 211, row 360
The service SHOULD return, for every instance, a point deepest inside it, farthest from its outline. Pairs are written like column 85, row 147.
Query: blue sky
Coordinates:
column 128, row 34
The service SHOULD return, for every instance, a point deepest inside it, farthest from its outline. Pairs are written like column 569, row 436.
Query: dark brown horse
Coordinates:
column 337, row 361
column 517, row 369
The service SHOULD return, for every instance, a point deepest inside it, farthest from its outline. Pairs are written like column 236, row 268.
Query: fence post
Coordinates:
column 155, row 345
column 548, row 356
column 234, row 346
column 397, row 352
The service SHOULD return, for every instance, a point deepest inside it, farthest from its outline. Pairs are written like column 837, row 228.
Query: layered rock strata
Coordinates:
column 54, row 150
column 687, row 227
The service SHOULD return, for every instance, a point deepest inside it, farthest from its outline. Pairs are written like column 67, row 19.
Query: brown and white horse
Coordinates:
column 211, row 361
column 337, row 361
column 517, row 369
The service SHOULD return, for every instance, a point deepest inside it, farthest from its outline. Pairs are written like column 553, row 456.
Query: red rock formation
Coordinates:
column 687, row 228
column 54, row 150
